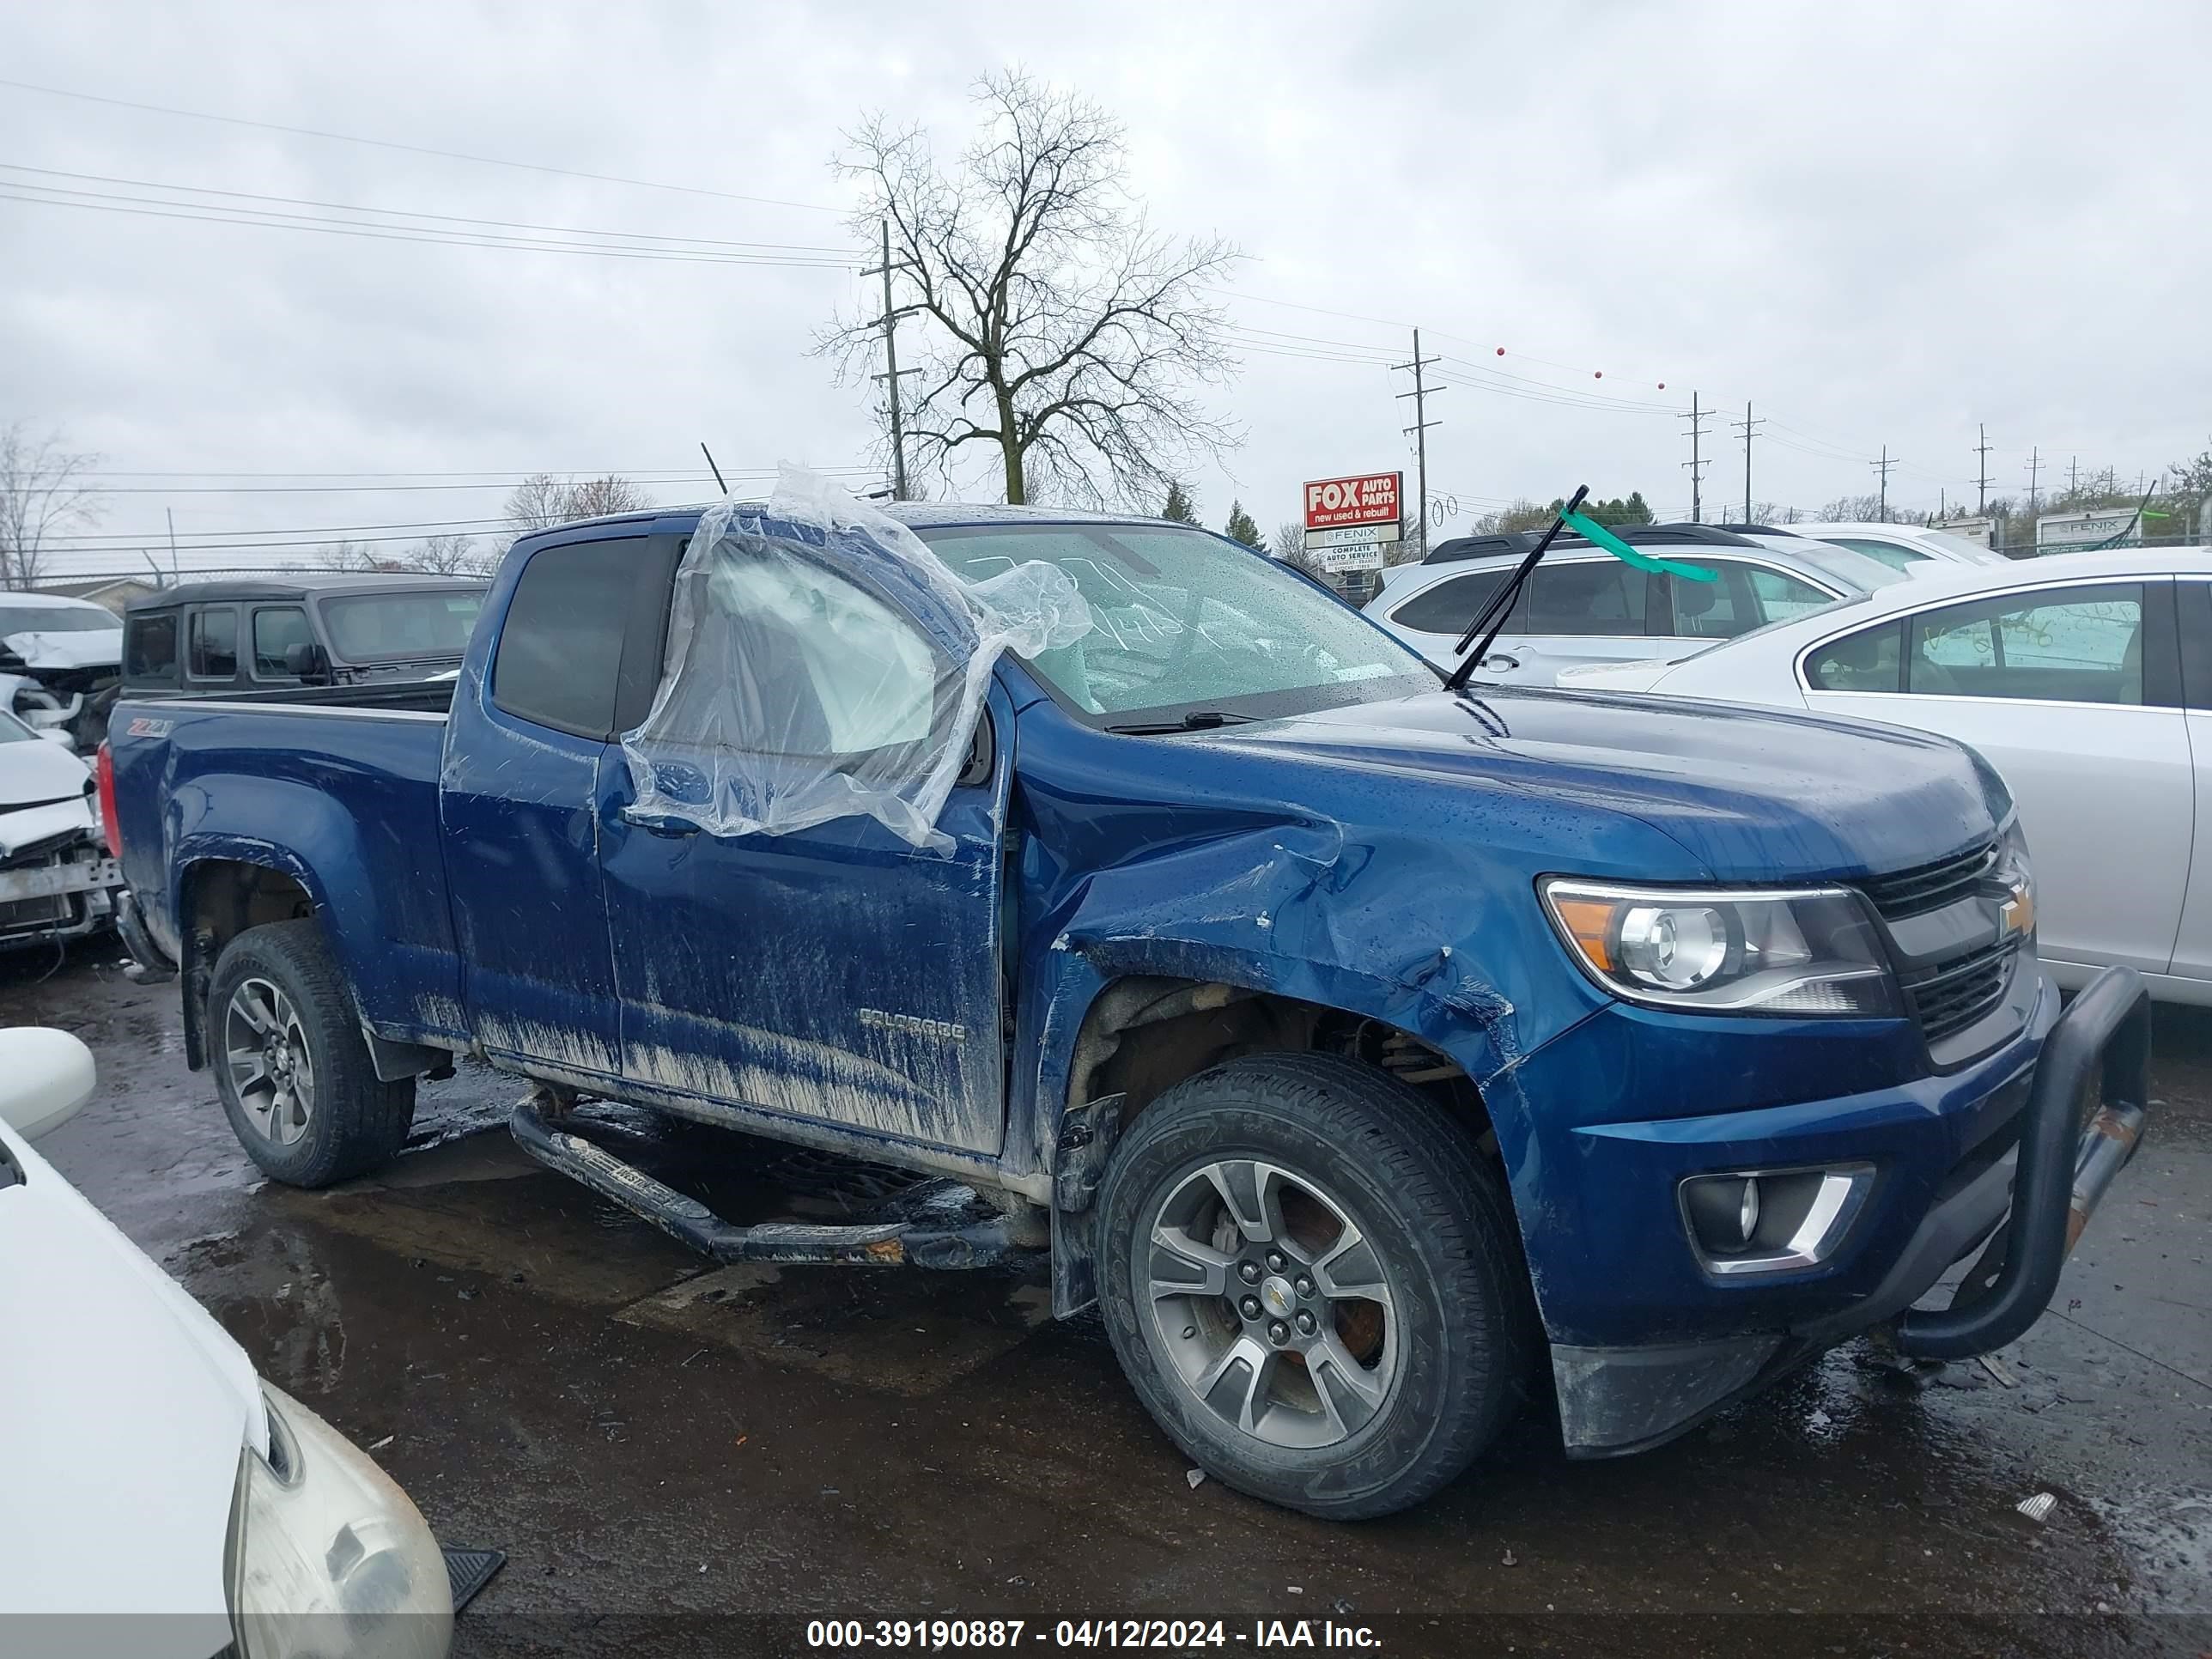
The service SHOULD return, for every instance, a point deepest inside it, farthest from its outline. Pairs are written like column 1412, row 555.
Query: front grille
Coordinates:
column 1930, row 886
column 1948, row 999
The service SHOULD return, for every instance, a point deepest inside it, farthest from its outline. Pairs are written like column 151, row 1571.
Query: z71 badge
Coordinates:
column 146, row 727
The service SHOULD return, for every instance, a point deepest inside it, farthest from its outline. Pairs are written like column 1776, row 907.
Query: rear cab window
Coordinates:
column 149, row 648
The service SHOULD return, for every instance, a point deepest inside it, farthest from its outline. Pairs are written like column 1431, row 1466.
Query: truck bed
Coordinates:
column 335, row 786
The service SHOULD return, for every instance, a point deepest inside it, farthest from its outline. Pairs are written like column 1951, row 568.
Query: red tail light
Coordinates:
column 103, row 769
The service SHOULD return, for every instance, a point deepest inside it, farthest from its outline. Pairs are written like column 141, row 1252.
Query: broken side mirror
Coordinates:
column 982, row 756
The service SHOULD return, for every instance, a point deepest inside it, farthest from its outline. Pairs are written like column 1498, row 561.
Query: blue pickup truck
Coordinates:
column 1376, row 1054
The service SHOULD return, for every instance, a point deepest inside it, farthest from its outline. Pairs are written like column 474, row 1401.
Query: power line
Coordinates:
column 414, row 149
column 838, row 249
column 196, row 213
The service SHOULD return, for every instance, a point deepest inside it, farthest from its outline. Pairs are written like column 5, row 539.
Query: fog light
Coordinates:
column 1724, row 1211
column 1752, row 1221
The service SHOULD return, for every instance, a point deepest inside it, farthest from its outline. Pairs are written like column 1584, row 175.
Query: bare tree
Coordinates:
column 448, row 555
column 542, row 500
column 1288, row 545
column 42, row 493
column 351, row 555
column 1063, row 336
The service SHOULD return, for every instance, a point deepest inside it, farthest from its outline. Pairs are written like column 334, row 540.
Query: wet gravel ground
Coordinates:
column 681, row 1459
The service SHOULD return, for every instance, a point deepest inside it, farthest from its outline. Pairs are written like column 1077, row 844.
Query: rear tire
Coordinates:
column 1394, row 1331
column 290, row 1064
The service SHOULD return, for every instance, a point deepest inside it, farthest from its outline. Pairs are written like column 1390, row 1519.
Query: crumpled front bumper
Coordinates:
column 2087, row 1100
column 62, row 887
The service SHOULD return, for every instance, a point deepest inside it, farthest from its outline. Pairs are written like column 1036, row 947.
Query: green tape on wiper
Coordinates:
column 1597, row 534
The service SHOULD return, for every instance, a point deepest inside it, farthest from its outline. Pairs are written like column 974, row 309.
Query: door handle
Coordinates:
column 1499, row 663
column 654, row 824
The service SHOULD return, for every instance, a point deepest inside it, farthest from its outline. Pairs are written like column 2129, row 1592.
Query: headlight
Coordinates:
column 1812, row 950
column 326, row 1555
column 2017, row 909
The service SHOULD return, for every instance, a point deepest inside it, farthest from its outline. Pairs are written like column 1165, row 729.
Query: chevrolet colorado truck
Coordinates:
column 1374, row 1053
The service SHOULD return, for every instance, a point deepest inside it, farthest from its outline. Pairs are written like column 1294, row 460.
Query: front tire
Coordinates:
column 291, row 1066
column 1314, row 1284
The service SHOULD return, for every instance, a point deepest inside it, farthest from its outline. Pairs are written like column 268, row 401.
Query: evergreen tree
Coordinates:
column 1178, row 506
column 1241, row 528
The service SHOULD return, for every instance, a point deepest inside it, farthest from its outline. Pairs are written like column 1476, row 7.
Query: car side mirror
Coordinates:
column 59, row 736
column 307, row 661
column 44, row 1077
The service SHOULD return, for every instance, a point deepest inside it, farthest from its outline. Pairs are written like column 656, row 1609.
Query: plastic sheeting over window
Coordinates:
column 822, row 663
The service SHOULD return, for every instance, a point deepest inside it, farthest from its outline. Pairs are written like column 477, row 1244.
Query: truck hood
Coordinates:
column 97, row 648
column 38, row 771
column 125, row 1408
column 1752, row 794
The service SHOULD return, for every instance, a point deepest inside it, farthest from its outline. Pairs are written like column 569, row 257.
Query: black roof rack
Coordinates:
column 1516, row 544
column 1760, row 530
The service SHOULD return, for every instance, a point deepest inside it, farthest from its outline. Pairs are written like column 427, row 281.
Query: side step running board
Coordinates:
column 934, row 1223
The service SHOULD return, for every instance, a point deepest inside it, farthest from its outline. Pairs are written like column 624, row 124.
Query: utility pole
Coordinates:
column 1882, row 466
column 1419, row 432
column 889, row 322
column 1696, row 418
column 1748, row 427
column 171, row 513
column 2034, row 471
column 2073, row 476
column 1982, row 483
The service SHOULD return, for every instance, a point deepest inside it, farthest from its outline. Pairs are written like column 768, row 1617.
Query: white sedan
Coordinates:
column 2086, row 679
column 160, row 1501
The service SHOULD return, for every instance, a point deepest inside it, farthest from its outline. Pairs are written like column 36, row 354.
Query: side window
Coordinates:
column 276, row 629
column 786, row 659
column 213, row 633
column 1718, row 609
column 1868, row 660
column 1449, row 606
column 2071, row 645
column 151, row 653
column 1780, row 596
column 1597, row 596
column 561, row 645
column 1896, row 557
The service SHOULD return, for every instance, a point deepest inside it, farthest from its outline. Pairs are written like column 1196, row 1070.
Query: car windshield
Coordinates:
column 13, row 729
column 1183, row 620
column 1960, row 547
column 1856, row 570
column 392, row 627
column 56, row 619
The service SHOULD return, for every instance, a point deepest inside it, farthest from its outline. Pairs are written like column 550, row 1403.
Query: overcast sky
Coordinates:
column 1879, row 225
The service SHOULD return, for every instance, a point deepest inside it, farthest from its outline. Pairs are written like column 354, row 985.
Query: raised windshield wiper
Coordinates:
column 1198, row 719
column 1491, row 617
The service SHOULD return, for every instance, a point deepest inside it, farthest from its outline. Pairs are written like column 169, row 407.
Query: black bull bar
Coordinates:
column 2068, row 1155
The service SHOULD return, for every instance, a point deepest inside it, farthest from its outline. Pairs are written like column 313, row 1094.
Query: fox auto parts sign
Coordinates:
column 1368, row 504
column 1349, row 521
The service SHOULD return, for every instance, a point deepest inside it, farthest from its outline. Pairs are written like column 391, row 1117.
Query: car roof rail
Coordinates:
column 1760, row 530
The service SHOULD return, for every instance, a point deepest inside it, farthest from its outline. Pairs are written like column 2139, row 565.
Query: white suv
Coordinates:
column 1582, row 605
